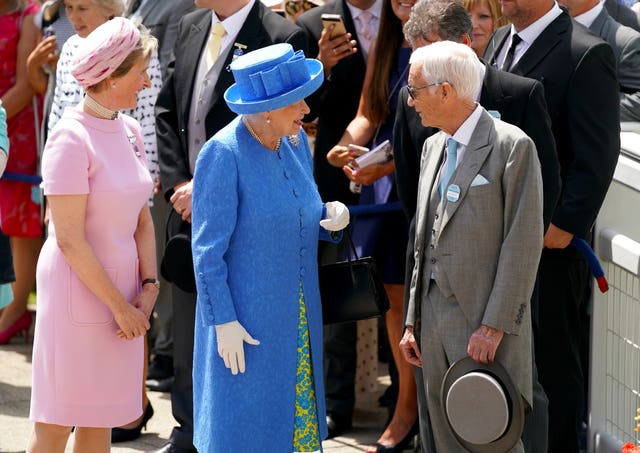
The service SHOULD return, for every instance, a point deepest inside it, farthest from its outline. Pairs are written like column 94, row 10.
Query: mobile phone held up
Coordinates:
column 336, row 20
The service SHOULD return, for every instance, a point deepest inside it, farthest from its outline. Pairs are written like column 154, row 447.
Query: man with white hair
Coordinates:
column 478, row 233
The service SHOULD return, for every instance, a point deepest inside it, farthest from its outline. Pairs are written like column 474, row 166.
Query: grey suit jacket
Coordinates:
column 625, row 42
column 484, row 248
column 162, row 17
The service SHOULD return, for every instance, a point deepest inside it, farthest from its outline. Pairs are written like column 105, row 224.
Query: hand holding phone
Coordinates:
column 336, row 21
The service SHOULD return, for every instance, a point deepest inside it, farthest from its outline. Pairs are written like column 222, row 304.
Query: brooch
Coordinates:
column 237, row 52
column 132, row 140
column 294, row 140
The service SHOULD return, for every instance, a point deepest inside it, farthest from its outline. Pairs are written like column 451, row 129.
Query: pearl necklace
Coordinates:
column 254, row 135
column 100, row 110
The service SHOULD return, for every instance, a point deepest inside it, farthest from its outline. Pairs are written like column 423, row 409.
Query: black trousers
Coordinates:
column 184, row 314
column 563, row 329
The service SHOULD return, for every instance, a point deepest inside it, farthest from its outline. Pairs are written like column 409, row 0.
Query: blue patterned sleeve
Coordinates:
column 214, row 216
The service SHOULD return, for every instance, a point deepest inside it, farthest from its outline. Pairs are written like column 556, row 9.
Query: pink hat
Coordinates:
column 104, row 50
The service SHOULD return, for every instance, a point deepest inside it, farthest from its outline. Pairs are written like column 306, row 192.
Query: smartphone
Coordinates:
column 358, row 150
column 336, row 20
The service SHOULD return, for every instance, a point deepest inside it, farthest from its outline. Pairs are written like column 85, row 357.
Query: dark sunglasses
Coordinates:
column 292, row 7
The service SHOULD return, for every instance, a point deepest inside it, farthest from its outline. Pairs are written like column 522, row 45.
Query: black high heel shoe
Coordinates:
column 124, row 435
column 400, row 446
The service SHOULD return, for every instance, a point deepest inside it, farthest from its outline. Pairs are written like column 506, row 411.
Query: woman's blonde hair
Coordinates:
column 113, row 8
column 494, row 6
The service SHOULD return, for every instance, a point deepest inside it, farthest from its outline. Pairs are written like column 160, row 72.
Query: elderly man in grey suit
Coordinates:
column 478, row 233
column 625, row 42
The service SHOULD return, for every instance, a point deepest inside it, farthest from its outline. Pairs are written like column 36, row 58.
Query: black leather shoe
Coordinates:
column 159, row 385
column 170, row 448
column 401, row 446
column 124, row 435
column 161, row 367
column 337, row 425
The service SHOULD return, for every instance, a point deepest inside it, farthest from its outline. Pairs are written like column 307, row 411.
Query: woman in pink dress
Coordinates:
column 19, row 200
column 97, row 271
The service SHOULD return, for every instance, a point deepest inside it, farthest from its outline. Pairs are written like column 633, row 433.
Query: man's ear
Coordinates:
column 465, row 39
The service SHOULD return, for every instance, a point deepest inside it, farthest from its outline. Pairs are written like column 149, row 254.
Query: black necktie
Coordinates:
column 508, row 60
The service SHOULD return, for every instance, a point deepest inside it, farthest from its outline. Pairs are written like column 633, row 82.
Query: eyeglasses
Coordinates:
column 292, row 7
column 413, row 90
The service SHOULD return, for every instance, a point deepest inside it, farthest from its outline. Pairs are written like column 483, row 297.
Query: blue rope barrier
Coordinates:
column 29, row 179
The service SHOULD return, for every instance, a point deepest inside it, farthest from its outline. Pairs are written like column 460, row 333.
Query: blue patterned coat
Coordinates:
column 255, row 234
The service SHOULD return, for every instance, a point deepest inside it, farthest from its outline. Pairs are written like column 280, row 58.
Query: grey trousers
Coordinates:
column 442, row 318
column 163, row 310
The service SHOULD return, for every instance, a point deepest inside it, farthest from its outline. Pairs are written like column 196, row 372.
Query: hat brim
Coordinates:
column 237, row 105
column 516, row 405
column 177, row 263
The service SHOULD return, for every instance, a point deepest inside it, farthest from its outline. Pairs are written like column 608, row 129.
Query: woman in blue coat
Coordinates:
column 256, row 224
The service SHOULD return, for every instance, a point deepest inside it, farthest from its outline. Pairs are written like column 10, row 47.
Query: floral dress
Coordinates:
column 19, row 199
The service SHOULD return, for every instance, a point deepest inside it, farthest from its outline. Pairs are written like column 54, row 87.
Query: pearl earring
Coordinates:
column 113, row 85
column 268, row 120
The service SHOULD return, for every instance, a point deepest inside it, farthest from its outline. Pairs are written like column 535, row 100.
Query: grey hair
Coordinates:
column 449, row 20
column 452, row 62
column 113, row 8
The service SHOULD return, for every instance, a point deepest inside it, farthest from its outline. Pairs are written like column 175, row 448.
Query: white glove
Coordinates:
column 3, row 161
column 231, row 337
column 337, row 217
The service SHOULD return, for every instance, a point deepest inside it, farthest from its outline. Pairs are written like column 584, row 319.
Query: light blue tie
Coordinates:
column 450, row 165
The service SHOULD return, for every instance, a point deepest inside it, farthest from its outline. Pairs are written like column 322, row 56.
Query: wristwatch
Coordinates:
column 153, row 281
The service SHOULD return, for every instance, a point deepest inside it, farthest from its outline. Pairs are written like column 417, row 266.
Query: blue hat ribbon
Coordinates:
column 278, row 79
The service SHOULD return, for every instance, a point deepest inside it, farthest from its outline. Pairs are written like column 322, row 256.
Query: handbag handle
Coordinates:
column 355, row 254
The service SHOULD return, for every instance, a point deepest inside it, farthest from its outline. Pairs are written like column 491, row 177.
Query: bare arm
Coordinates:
column 360, row 130
column 68, row 213
column 19, row 95
column 44, row 52
column 146, row 246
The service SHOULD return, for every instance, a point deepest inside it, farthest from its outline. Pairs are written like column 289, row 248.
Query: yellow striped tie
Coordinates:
column 215, row 40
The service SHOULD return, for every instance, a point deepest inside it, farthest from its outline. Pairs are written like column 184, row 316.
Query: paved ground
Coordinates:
column 15, row 389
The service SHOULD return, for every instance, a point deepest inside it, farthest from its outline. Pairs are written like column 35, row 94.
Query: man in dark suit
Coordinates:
column 578, row 72
column 517, row 100
column 190, row 109
column 334, row 105
column 625, row 43
column 623, row 14
column 161, row 17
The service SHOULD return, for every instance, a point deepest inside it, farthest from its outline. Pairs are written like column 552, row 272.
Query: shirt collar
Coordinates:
column 531, row 33
column 588, row 17
column 375, row 9
column 464, row 132
column 233, row 23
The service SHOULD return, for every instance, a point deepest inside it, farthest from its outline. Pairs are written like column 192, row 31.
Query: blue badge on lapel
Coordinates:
column 453, row 193
column 494, row 113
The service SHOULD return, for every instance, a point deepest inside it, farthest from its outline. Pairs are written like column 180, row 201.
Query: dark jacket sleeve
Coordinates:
column 537, row 125
column 594, row 127
column 406, row 158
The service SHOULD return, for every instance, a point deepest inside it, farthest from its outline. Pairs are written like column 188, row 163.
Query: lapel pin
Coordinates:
column 453, row 193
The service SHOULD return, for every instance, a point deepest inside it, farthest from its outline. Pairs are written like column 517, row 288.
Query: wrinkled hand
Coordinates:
column 334, row 50
column 181, row 200
column 337, row 216
column 231, row 338
column 339, row 156
column 132, row 322
column 556, row 238
column 484, row 343
column 409, row 347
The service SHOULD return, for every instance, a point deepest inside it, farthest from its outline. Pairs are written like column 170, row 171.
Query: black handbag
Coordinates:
column 351, row 290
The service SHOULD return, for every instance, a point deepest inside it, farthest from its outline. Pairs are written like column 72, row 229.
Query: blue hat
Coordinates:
column 271, row 78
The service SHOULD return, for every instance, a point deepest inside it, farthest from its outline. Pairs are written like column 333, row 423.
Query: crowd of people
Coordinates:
column 179, row 170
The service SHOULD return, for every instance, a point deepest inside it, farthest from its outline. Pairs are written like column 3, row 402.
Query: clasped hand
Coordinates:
column 231, row 338
column 484, row 343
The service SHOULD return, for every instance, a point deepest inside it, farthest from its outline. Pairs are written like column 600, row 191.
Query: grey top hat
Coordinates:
column 482, row 406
